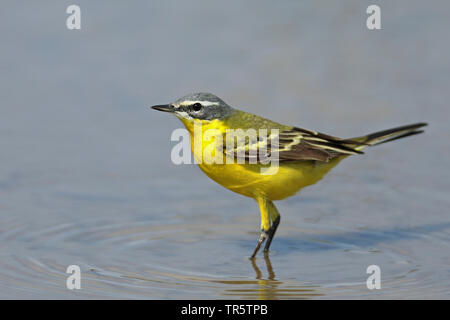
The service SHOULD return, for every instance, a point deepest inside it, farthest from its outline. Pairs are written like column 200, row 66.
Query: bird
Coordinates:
column 304, row 156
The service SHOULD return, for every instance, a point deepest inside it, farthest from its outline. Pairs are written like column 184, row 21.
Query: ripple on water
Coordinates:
column 179, row 260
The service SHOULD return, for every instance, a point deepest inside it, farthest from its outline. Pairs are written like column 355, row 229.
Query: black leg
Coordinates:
column 271, row 233
column 261, row 240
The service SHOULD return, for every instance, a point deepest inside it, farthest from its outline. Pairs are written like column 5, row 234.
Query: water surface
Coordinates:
column 86, row 176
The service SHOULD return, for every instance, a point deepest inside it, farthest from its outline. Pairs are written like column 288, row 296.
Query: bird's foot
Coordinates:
column 262, row 237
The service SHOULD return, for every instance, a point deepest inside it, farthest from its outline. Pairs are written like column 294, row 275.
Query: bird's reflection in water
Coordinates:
column 269, row 288
column 271, row 274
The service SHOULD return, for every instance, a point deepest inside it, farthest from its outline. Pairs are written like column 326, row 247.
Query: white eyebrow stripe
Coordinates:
column 203, row 103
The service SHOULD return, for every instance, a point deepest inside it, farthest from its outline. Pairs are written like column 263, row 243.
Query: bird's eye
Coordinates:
column 197, row 107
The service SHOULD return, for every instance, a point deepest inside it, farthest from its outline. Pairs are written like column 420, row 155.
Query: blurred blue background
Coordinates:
column 85, row 170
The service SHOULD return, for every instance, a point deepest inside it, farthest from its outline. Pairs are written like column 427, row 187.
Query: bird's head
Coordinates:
column 197, row 106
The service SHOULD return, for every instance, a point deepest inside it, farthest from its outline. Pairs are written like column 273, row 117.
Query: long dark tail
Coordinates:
column 388, row 135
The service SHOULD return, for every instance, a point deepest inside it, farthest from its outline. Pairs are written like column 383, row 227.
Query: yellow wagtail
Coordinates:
column 304, row 156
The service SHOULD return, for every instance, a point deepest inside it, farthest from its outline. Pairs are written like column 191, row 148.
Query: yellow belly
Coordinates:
column 247, row 179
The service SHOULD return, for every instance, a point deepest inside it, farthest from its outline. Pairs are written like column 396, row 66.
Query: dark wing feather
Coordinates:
column 296, row 144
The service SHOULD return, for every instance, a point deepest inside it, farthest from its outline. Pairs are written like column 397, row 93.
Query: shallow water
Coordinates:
column 86, row 176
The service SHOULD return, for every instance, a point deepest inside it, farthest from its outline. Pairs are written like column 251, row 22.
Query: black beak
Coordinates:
column 164, row 107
